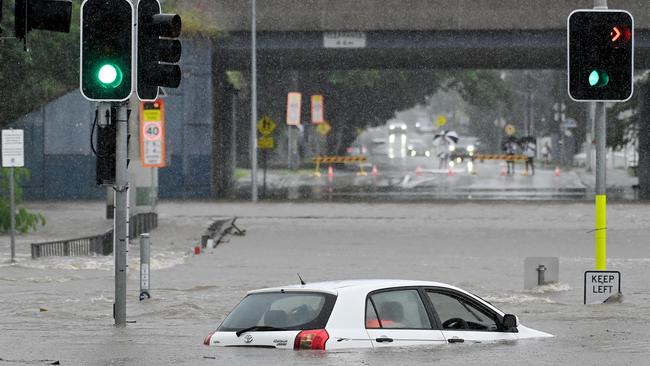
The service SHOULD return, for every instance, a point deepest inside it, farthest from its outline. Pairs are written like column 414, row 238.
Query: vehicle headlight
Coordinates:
column 391, row 128
column 459, row 160
column 452, row 148
column 470, row 148
column 404, row 128
column 427, row 153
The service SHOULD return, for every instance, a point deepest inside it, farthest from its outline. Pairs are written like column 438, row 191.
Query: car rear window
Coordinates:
column 287, row 310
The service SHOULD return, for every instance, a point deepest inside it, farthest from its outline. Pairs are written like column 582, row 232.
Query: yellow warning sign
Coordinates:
column 266, row 126
column 266, row 142
column 441, row 121
column 324, row 128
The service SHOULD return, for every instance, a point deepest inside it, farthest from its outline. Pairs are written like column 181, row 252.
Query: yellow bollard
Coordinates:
column 601, row 232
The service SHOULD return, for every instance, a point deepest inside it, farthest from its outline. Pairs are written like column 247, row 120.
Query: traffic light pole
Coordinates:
column 601, row 176
column 120, row 232
column 253, row 103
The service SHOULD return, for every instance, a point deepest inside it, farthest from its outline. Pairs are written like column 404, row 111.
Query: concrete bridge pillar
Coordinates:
column 643, row 93
column 223, row 136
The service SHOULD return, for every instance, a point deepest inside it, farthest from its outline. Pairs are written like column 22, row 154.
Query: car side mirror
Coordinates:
column 510, row 322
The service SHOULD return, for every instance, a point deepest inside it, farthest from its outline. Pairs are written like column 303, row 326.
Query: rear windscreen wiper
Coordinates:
column 259, row 328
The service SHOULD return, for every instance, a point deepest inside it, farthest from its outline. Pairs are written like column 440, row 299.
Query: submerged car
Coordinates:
column 365, row 314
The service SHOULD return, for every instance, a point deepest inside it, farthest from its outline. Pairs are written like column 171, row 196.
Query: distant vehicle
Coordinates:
column 416, row 147
column 396, row 126
column 379, row 147
column 356, row 150
column 425, row 126
column 465, row 149
column 365, row 314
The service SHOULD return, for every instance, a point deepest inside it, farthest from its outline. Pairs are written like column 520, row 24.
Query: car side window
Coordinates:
column 399, row 309
column 457, row 314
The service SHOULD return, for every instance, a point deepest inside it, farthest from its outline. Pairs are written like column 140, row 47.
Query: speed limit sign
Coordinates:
column 152, row 134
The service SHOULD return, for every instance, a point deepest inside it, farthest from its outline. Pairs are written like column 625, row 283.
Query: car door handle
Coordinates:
column 384, row 339
column 455, row 340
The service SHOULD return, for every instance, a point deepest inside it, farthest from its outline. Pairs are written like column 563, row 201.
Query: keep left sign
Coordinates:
column 600, row 285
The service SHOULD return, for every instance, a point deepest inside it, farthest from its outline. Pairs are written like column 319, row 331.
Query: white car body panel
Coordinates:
column 346, row 324
column 282, row 339
column 405, row 337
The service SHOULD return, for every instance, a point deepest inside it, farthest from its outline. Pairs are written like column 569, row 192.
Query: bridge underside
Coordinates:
column 410, row 50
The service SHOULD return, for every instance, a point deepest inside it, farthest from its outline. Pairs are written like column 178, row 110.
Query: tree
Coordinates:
column 25, row 220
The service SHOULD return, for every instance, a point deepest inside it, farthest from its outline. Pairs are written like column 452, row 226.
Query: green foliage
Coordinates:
column 31, row 79
column 25, row 220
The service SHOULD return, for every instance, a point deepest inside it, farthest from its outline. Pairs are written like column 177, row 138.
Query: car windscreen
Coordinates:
column 285, row 310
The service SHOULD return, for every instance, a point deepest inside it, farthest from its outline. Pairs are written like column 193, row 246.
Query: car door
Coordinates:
column 398, row 318
column 465, row 319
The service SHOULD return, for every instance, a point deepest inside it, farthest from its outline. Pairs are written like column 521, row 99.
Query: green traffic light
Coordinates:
column 598, row 78
column 110, row 76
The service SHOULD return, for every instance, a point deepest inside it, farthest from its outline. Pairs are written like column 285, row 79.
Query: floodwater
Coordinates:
column 59, row 309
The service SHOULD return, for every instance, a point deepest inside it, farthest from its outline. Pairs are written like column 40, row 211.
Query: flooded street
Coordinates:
column 59, row 309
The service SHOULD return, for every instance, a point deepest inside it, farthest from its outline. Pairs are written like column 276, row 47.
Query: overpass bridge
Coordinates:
column 411, row 34
column 387, row 34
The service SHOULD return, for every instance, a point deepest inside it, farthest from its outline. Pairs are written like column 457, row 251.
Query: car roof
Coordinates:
column 366, row 285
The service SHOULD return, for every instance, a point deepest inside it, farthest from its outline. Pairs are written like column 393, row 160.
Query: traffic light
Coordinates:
column 106, row 50
column 600, row 55
column 157, row 51
column 51, row 15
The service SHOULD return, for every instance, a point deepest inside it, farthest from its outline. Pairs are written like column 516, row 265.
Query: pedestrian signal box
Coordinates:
column 600, row 46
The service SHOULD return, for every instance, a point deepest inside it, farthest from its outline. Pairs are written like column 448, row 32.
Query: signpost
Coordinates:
column 317, row 111
column 441, row 120
column 265, row 126
column 324, row 128
column 601, row 285
column 294, row 110
column 344, row 40
column 152, row 134
column 13, row 156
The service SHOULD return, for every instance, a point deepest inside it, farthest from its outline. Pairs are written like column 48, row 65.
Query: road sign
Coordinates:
column 266, row 126
column 510, row 129
column 344, row 40
column 266, row 142
column 441, row 121
column 317, row 111
column 13, row 149
column 293, row 108
column 152, row 134
column 324, row 128
column 600, row 285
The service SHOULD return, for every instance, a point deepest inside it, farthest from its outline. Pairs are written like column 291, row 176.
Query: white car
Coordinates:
column 365, row 314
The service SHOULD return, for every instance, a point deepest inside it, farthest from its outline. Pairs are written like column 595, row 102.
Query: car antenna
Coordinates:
column 302, row 282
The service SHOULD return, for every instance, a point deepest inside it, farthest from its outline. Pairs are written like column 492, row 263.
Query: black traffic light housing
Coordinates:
column 50, row 15
column 157, row 51
column 600, row 55
column 106, row 50
column 106, row 145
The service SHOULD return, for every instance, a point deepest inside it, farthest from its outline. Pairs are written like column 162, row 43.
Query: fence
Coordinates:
column 101, row 244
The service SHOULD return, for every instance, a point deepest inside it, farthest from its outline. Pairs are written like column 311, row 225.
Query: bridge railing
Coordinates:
column 101, row 244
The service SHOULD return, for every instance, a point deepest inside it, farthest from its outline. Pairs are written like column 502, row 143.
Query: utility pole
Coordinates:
column 120, row 234
column 253, row 103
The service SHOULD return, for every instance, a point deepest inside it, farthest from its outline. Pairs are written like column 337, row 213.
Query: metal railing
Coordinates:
column 101, row 244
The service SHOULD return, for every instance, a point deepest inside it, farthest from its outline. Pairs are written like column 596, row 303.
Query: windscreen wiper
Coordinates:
column 259, row 328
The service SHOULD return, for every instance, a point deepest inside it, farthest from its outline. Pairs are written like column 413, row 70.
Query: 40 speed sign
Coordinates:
column 152, row 134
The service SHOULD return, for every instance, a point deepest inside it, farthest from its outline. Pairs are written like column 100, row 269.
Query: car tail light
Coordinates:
column 311, row 339
column 207, row 338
